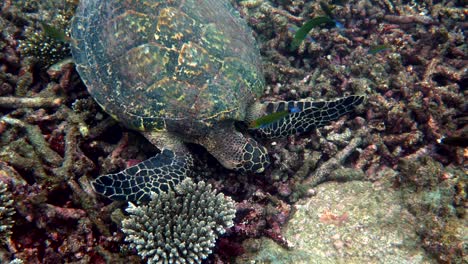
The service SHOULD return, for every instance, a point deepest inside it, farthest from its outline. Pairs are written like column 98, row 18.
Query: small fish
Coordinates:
column 266, row 120
column 454, row 141
column 55, row 33
column 307, row 27
column 328, row 11
column 376, row 49
column 57, row 67
column 293, row 29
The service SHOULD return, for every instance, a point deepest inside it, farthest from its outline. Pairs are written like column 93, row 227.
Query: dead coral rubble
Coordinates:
column 436, row 195
column 53, row 137
column 415, row 90
column 47, row 151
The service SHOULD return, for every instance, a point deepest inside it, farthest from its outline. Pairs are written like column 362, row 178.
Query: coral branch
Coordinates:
column 326, row 168
column 52, row 211
column 37, row 140
column 89, row 205
column 36, row 102
column 409, row 19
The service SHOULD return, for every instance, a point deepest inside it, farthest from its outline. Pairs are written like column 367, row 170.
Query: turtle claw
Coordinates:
column 156, row 174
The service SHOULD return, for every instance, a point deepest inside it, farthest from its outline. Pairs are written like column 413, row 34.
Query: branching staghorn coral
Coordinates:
column 180, row 226
column 6, row 211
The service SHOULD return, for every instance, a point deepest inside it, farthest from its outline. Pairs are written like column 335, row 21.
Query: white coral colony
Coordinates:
column 180, row 226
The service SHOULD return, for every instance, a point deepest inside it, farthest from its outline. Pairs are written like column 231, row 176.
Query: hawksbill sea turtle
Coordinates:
column 183, row 71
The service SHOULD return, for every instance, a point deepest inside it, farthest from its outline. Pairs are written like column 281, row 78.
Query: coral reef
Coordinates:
column 45, row 49
column 54, row 137
column 6, row 211
column 436, row 196
column 415, row 89
column 180, row 226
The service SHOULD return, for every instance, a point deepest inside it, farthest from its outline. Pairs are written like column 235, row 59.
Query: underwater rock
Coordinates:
column 351, row 222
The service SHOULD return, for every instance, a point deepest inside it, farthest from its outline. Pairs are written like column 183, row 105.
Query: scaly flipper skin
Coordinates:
column 159, row 173
column 304, row 115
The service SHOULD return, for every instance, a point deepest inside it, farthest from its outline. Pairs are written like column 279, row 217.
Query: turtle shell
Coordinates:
column 148, row 62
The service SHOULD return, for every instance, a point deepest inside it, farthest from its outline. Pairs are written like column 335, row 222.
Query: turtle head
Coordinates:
column 235, row 151
column 252, row 157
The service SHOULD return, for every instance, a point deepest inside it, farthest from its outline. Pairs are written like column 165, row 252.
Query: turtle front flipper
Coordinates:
column 159, row 173
column 299, row 117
